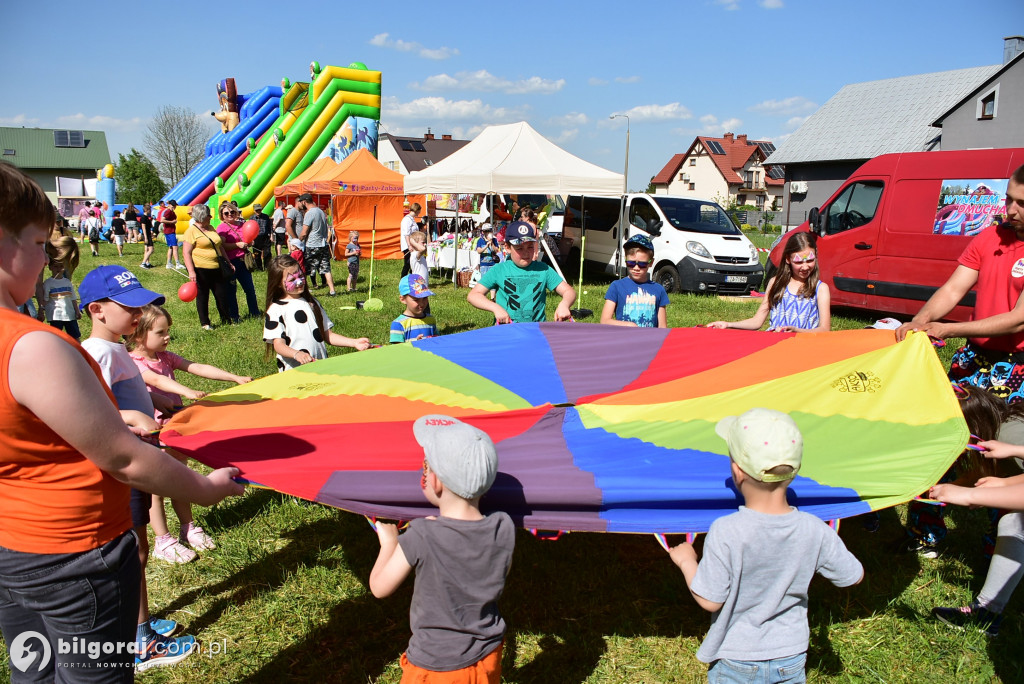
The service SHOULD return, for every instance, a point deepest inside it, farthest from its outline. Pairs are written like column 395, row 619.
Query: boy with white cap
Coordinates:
column 461, row 558
column 759, row 561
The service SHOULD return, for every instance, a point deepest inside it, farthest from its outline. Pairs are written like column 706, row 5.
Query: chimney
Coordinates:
column 727, row 136
column 741, row 138
column 446, row 137
column 428, row 135
column 1012, row 46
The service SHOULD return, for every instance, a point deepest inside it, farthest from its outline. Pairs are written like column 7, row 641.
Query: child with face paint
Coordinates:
column 295, row 327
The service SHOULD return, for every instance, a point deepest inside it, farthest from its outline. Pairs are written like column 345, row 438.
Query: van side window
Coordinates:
column 642, row 215
column 602, row 213
column 854, row 207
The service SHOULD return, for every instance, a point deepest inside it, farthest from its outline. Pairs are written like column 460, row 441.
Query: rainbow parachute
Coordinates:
column 598, row 428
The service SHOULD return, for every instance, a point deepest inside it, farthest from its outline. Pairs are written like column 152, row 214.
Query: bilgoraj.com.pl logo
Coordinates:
column 27, row 649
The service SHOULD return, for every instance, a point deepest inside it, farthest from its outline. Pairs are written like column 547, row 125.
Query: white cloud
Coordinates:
column 770, row 4
column 730, row 5
column 796, row 122
column 711, row 126
column 790, row 105
column 733, row 5
column 627, row 79
column 569, row 120
column 19, row 120
column 433, row 111
column 105, row 123
column 566, row 136
column 483, row 81
column 384, row 40
column 653, row 112
column 594, row 81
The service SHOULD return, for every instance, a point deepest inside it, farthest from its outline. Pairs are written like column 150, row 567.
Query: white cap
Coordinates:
column 462, row 457
column 886, row 324
column 762, row 439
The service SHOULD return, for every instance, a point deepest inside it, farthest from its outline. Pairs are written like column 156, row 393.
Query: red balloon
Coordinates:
column 188, row 291
column 250, row 229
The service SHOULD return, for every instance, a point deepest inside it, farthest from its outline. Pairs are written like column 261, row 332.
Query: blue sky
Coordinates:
column 678, row 69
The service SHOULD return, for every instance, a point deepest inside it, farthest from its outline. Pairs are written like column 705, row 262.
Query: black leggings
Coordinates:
column 210, row 279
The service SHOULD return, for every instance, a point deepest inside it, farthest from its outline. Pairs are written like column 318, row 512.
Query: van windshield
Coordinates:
column 696, row 216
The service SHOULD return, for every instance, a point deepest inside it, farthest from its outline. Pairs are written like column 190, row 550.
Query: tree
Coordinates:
column 138, row 181
column 175, row 140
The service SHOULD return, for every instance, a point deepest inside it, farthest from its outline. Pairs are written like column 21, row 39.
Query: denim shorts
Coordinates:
column 788, row 670
column 74, row 613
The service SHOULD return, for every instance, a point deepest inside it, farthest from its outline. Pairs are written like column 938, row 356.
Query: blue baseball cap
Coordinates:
column 117, row 284
column 641, row 241
column 412, row 284
column 520, row 232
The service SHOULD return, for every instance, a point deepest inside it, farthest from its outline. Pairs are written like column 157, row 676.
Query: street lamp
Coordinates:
column 625, row 176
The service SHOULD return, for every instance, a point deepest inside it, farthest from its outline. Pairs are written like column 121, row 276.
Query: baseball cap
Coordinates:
column 641, row 241
column 414, row 284
column 305, row 197
column 762, row 439
column 520, row 232
column 115, row 283
column 257, row 206
column 885, row 324
column 462, row 457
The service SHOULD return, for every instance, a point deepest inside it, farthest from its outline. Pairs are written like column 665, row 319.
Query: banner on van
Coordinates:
column 968, row 206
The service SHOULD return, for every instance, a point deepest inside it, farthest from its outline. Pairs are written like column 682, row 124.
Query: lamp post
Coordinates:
column 625, row 175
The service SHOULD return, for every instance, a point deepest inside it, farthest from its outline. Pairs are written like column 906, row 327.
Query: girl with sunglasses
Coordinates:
column 796, row 300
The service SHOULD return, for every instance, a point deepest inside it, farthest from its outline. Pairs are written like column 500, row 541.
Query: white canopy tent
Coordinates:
column 514, row 158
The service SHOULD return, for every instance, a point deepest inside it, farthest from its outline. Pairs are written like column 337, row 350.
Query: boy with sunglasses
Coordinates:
column 636, row 301
column 521, row 282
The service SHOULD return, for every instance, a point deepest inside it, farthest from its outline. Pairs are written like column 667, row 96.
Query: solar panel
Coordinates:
column 417, row 146
column 766, row 147
column 715, row 147
column 60, row 138
column 405, row 145
column 76, row 139
column 777, row 172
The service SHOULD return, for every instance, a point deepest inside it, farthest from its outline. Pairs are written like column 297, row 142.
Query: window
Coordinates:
column 8, row 152
column 405, row 145
column 682, row 176
column 693, row 186
column 696, row 215
column 602, row 213
column 693, row 161
column 854, row 207
column 643, row 215
column 988, row 104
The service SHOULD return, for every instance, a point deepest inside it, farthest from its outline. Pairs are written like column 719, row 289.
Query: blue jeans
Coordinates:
column 79, row 603
column 70, row 327
column 243, row 278
column 788, row 670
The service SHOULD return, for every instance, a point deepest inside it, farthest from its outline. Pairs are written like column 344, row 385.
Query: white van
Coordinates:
column 697, row 247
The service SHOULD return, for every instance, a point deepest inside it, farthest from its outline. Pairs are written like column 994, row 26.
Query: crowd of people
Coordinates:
column 80, row 489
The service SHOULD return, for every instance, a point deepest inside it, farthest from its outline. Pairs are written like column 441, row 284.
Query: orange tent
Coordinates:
column 356, row 187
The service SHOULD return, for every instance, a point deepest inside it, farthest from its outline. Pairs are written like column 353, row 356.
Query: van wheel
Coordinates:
column 668, row 277
column 769, row 273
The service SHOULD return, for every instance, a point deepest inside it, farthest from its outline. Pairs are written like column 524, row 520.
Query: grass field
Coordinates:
column 284, row 597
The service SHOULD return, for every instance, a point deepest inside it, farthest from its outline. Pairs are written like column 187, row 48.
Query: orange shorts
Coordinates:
column 484, row 671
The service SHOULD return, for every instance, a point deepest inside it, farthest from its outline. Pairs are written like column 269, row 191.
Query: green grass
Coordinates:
column 285, row 593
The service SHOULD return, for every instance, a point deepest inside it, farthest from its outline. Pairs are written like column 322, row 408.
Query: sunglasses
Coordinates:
column 637, row 264
column 231, row 213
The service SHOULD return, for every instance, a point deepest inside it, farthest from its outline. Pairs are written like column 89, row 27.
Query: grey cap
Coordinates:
column 462, row 457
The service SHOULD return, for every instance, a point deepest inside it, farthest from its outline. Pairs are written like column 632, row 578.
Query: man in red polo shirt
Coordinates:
column 169, row 222
column 993, row 357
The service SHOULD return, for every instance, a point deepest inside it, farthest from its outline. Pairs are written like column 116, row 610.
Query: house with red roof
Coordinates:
column 727, row 169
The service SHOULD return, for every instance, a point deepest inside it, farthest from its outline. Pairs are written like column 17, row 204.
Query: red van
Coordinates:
column 892, row 233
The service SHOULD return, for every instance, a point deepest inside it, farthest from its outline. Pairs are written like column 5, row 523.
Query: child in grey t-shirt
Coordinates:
column 759, row 624
column 461, row 558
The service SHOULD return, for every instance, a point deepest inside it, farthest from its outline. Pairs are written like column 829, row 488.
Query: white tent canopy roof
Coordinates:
column 514, row 158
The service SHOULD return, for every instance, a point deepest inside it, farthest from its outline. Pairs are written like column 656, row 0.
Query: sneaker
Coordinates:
column 922, row 548
column 207, row 327
column 972, row 616
column 196, row 538
column 179, row 266
column 164, row 651
column 164, row 627
column 146, row 265
column 171, row 550
column 168, row 266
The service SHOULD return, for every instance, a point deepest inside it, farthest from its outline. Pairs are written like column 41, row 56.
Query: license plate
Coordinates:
column 735, row 279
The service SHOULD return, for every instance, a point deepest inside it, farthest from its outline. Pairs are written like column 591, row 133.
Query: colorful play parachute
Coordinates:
column 598, row 428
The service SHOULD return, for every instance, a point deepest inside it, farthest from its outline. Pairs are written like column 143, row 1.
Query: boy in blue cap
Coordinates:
column 636, row 301
column 416, row 322
column 521, row 282
column 113, row 298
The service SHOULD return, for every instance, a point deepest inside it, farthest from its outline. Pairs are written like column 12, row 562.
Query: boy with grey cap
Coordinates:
column 461, row 558
column 759, row 561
